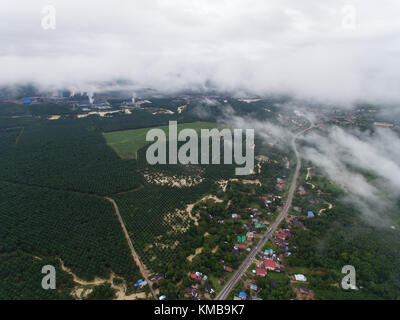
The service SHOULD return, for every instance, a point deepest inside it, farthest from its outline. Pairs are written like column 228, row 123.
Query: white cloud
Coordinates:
column 342, row 154
column 298, row 47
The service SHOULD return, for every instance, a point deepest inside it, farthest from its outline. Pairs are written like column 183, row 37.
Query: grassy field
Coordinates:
column 126, row 143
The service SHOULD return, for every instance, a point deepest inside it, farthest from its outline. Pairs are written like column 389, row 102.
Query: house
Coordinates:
column 261, row 272
column 301, row 191
column 188, row 291
column 280, row 181
column 228, row 269
column 243, row 295
column 195, row 286
column 28, row 100
column 198, row 276
column 300, row 277
column 249, row 239
column 280, row 235
column 241, row 246
column 138, row 283
column 310, row 214
column 269, row 264
column 289, row 219
column 208, row 288
column 250, row 234
column 160, row 276
column 253, row 287
column 269, row 252
column 304, row 290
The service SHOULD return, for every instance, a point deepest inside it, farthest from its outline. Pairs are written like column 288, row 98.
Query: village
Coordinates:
column 268, row 262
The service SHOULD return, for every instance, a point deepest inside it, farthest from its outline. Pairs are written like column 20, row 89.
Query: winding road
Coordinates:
column 223, row 294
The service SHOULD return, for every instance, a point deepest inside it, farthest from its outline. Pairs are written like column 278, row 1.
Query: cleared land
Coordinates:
column 126, row 143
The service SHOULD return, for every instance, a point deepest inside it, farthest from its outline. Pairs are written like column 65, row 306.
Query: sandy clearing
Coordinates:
column 312, row 185
column 54, row 117
column 167, row 246
column 256, row 182
column 181, row 108
column 80, row 293
column 330, row 206
column 192, row 256
column 163, row 111
column 100, row 113
column 173, row 181
column 190, row 207
column 308, row 176
column 213, row 251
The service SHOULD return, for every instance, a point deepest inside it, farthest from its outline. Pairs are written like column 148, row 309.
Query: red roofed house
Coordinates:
column 261, row 272
column 228, row 269
column 194, row 276
column 280, row 235
column 269, row 264
column 241, row 246
column 249, row 239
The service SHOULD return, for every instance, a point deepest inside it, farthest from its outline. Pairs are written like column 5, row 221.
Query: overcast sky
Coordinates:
column 308, row 48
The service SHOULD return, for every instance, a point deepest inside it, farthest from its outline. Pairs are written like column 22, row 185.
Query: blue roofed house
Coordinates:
column 28, row 100
column 269, row 252
column 243, row 295
column 310, row 214
column 138, row 283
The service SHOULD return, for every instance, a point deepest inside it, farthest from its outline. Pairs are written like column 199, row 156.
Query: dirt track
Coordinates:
column 135, row 256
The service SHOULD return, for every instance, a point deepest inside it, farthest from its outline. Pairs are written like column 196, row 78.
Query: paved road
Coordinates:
column 133, row 252
column 223, row 294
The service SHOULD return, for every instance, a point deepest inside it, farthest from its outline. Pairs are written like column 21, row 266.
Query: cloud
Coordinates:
column 286, row 46
column 347, row 156
column 364, row 164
